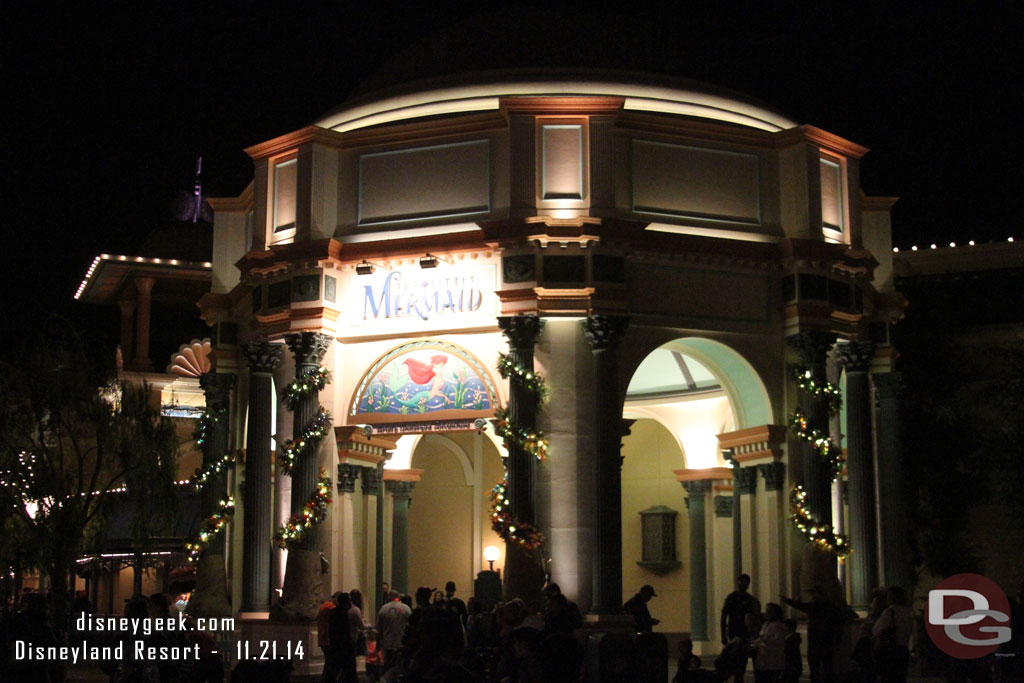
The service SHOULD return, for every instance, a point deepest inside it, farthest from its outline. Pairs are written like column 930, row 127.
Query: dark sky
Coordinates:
column 108, row 109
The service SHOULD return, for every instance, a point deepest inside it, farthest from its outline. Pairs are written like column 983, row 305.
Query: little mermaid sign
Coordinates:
column 424, row 381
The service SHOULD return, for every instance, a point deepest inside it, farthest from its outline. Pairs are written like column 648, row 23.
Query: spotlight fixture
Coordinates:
column 366, row 267
column 431, row 260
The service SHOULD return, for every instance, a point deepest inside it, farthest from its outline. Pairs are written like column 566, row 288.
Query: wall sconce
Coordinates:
column 659, row 539
column 431, row 260
column 365, row 267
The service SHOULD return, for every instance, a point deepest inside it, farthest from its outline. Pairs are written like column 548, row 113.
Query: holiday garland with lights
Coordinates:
column 206, row 421
column 310, row 383
column 313, row 512
column 210, row 527
column 204, row 474
column 528, row 440
column 822, row 446
column 308, row 441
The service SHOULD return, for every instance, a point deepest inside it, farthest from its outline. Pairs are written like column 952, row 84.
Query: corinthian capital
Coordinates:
column 520, row 330
column 217, row 388
column 309, row 348
column 605, row 331
column 262, row 357
column 812, row 345
column 855, row 356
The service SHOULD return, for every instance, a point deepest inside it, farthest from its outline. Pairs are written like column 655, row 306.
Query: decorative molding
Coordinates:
column 240, row 204
column 262, row 357
column 399, row 489
column 746, row 479
column 562, row 105
column 309, row 347
column 521, row 330
column 347, row 475
column 372, row 478
column 604, row 331
column 754, row 443
column 709, row 474
column 723, row 506
column 287, row 143
column 696, row 488
column 403, row 475
column 192, row 359
column 354, row 444
column 855, row 356
column 467, row 124
column 774, row 474
column 822, row 138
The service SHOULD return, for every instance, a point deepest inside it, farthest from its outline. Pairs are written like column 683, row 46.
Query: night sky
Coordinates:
column 107, row 110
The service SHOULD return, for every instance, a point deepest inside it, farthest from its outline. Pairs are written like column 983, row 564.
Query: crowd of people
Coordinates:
column 434, row 635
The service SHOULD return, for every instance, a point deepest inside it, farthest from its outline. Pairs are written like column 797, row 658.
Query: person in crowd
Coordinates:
column 374, row 656
column 342, row 639
column 891, row 633
column 455, row 604
column 737, row 606
column 392, row 620
column 360, row 617
column 637, row 606
column 385, row 588
column 863, row 649
column 573, row 610
column 824, row 630
column 771, row 646
column 323, row 640
column 557, row 618
column 480, row 631
column 688, row 665
column 794, row 662
column 526, row 646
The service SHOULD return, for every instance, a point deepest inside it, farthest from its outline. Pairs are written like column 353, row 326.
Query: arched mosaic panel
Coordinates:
column 423, row 381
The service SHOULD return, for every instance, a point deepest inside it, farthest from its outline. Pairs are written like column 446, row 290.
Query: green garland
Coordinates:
column 206, row 421
column 204, row 474
column 822, row 446
column 310, row 382
column 308, row 441
column 821, row 535
column 314, row 512
column 526, row 535
column 210, row 527
column 508, row 528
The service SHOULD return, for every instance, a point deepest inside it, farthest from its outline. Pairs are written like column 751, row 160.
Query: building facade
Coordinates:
column 661, row 254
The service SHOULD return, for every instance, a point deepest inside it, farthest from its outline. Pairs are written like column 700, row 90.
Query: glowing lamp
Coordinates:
column 491, row 553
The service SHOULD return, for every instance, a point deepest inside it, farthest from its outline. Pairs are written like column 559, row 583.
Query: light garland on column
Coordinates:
column 313, row 512
column 531, row 441
column 206, row 421
column 210, row 527
column 308, row 441
column 310, row 382
column 204, row 474
column 822, row 446
column 821, row 535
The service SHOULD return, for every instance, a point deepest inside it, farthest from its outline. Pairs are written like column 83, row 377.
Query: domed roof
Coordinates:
column 480, row 91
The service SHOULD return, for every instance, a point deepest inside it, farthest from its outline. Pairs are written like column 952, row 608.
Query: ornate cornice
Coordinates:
column 709, row 474
column 822, row 138
column 604, row 331
column 754, row 443
column 855, row 356
column 262, row 357
column 309, row 347
column 697, row 487
column 521, row 330
column 291, row 141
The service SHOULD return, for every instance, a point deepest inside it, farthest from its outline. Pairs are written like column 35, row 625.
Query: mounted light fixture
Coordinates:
column 365, row 267
column 431, row 260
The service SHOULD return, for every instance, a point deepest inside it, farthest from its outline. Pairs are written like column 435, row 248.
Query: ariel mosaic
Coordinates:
column 424, row 380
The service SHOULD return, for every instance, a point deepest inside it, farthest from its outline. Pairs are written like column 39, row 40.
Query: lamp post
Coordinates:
column 491, row 553
column 487, row 586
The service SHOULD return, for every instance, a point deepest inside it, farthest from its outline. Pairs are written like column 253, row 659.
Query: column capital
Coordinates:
column 723, row 506
column 217, row 388
column 774, row 474
column 604, row 331
column 262, row 357
column 309, row 348
column 812, row 345
column 372, row 477
column 144, row 285
column 887, row 384
column 347, row 475
column 401, row 490
column 697, row 487
column 745, row 479
column 520, row 330
column 127, row 305
column 855, row 356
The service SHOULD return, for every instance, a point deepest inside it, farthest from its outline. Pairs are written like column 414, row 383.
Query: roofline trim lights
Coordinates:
column 136, row 259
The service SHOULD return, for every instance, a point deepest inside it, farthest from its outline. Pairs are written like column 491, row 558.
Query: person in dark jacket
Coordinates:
column 824, row 630
column 637, row 606
column 341, row 642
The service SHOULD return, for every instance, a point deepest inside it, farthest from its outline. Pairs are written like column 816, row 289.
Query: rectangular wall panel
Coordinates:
column 425, row 182
column 694, row 182
column 698, row 293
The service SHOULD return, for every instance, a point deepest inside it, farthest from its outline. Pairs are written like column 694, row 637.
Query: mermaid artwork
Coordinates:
column 423, row 385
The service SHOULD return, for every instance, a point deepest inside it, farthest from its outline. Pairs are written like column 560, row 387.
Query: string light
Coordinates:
column 506, row 526
column 310, row 382
column 821, row 535
column 313, row 512
column 210, row 527
column 308, row 441
column 204, row 474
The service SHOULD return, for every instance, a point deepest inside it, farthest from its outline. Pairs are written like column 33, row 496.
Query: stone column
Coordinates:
column 894, row 559
column 775, row 512
column 813, row 347
column 372, row 479
column 745, row 485
column 696, row 492
column 144, row 288
column 524, row 575
column 210, row 597
column 721, row 569
column 862, row 563
column 401, row 492
column 262, row 358
column 343, row 564
column 303, row 590
column 604, row 334
column 127, row 306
